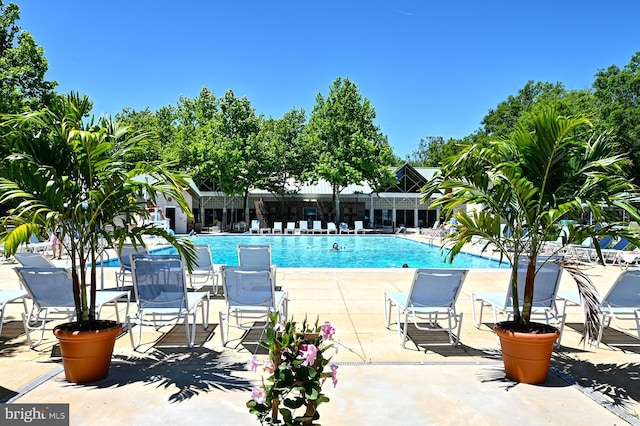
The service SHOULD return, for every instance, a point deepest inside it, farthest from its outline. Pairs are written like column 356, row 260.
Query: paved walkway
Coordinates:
column 428, row 382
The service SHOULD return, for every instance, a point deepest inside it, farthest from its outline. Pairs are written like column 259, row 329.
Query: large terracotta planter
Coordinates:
column 526, row 355
column 86, row 355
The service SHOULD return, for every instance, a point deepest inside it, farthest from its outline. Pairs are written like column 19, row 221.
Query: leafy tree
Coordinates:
column 235, row 152
column 72, row 174
column 530, row 182
column 530, row 100
column 191, row 147
column 618, row 94
column 22, row 66
column 287, row 154
column 146, row 122
column 349, row 147
column 431, row 151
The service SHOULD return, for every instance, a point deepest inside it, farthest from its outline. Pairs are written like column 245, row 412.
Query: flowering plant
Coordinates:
column 297, row 369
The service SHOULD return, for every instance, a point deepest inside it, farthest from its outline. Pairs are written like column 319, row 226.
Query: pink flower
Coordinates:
column 309, row 353
column 253, row 363
column 269, row 367
column 259, row 395
column 328, row 331
column 334, row 374
column 279, row 326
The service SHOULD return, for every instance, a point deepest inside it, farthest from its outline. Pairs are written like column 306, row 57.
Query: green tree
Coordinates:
column 532, row 98
column 618, row 94
column 287, row 154
column 193, row 137
column 235, row 152
column 349, row 147
column 530, row 182
column 72, row 174
column 432, row 150
column 146, row 122
column 22, row 66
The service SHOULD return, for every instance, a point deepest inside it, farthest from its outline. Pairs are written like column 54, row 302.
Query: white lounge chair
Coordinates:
column 257, row 257
column 36, row 246
column 304, row 227
column 622, row 303
column 358, row 227
column 205, row 270
column 317, row 226
column 291, row 228
column 331, row 228
column 161, row 293
column 432, row 297
column 50, row 291
column 33, row 260
column 255, row 227
column 611, row 254
column 123, row 275
column 547, row 280
column 344, row 228
column 250, row 297
column 11, row 296
column 277, row 228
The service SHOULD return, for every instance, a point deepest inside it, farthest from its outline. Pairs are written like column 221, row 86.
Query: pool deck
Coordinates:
column 428, row 382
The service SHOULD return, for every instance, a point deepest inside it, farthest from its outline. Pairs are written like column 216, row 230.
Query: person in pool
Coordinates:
column 335, row 246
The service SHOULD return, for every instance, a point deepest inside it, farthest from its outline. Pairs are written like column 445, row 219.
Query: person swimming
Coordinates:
column 335, row 246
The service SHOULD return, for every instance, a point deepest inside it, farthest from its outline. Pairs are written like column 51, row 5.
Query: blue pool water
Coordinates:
column 314, row 251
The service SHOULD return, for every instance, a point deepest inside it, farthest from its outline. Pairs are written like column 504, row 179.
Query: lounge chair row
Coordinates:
column 161, row 291
column 434, row 292
column 303, row 228
column 612, row 253
column 160, row 286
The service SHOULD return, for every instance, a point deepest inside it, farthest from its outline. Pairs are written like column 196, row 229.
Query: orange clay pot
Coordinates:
column 86, row 355
column 526, row 356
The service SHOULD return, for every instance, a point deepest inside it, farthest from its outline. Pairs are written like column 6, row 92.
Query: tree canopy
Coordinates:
column 350, row 148
column 618, row 94
column 23, row 66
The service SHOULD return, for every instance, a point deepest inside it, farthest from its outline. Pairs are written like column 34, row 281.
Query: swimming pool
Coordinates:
column 314, row 251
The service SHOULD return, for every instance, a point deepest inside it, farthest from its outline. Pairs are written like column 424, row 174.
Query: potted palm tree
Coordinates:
column 61, row 171
column 533, row 184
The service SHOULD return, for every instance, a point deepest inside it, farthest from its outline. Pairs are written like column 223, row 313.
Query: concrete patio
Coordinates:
column 428, row 382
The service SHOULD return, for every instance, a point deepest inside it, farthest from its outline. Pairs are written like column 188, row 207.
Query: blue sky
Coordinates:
column 430, row 68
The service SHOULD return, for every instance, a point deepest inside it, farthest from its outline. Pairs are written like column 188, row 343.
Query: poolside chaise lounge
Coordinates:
column 304, row 229
column 257, row 257
column 611, row 254
column 204, row 270
column 255, row 227
column 161, row 293
column 432, row 297
column 36, row 246
column 33, row 260
column 331, row 228
column 344, row 228
column 317, row 227
column 123, row 275
column 621, row 303
column 250, row 297
column 277, row 228
column 547, row 280
column 291, row 228
column 358, row 227
column 50, row 291
column 11, row 296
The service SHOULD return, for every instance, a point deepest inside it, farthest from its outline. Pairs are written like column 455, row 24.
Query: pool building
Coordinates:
column 384, row 210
